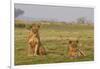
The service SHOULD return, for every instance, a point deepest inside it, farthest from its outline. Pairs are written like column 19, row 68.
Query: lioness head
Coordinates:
column 35, row 28
column 73, row 43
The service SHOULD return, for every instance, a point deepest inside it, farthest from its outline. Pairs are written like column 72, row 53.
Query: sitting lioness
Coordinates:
column 34, row 44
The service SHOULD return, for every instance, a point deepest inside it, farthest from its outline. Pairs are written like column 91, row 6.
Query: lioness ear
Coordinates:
column 38, row 26
column 70, row 41
column 77, row 41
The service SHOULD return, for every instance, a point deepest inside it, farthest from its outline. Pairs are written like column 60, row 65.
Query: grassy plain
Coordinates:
column 54, row 37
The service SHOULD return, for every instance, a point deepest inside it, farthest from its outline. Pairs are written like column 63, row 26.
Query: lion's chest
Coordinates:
column 33, row 41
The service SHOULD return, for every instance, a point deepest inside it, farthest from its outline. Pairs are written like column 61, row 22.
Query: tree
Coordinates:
column 18, row 12
column 81, row 20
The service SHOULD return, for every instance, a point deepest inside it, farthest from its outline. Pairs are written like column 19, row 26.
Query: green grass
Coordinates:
column 54, row 37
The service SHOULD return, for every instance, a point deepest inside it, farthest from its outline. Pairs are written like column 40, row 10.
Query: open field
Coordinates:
column 54, row 37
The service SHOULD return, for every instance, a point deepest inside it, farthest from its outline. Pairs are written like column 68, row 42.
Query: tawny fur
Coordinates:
column 73, row 49
column 42, row 51
column 34, row 44
column 33, row 41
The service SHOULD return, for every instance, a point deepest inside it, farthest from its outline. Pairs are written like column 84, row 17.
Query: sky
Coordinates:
column 56, row 13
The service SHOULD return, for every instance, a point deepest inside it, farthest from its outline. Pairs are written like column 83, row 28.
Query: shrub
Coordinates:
column 19, row 25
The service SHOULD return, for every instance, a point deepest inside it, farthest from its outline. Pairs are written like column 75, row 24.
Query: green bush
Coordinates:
column 20, row 25
column 28, row 26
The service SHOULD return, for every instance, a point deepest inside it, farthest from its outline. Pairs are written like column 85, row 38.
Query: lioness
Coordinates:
column 34, row 44
column 73, row 49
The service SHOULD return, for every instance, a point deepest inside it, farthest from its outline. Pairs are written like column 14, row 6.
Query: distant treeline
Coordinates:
column 20, row 25
column 28, row 25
